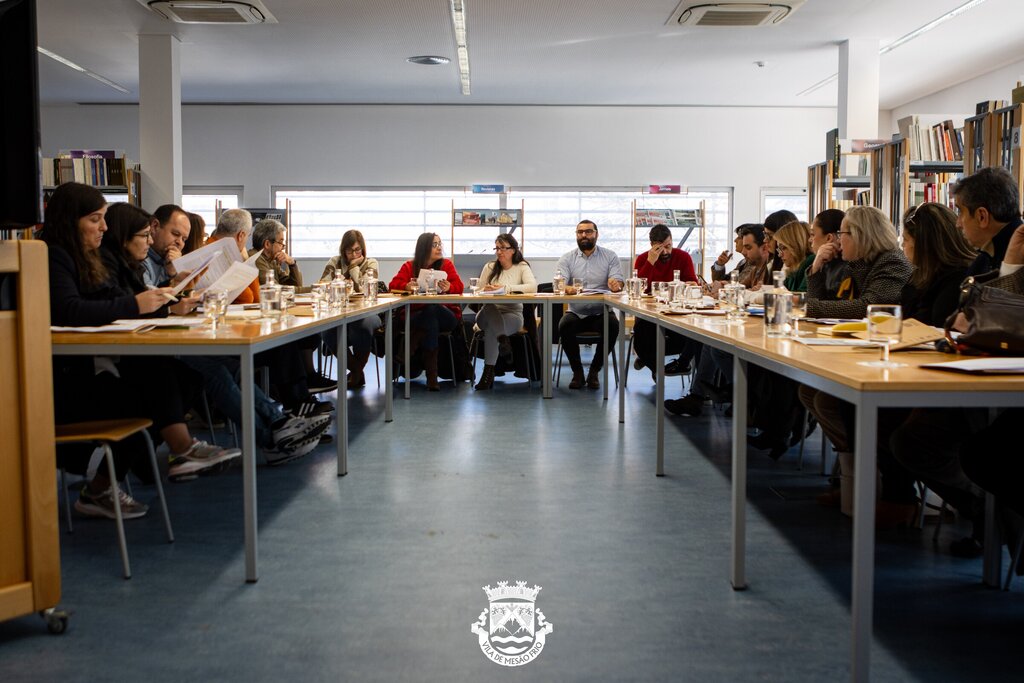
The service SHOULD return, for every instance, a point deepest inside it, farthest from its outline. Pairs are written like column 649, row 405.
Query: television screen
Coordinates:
column 21, row 157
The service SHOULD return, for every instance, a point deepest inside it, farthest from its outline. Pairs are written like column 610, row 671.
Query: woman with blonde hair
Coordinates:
column 794, row 245
column 353, row 264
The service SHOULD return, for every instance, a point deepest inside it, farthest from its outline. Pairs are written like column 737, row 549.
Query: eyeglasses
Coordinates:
column 437, row 245
column 281, row 242
column 844, row 232
column 354, row 250
column 503, row 249
column 585, row 233
column 143, row 235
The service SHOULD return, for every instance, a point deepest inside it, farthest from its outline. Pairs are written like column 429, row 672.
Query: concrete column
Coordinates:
column 160, row 119
column 858, row 88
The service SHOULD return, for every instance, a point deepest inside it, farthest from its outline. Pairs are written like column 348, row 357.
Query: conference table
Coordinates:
column 834, row 371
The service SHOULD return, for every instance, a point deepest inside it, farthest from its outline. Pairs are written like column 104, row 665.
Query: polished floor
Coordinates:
column 377, row 576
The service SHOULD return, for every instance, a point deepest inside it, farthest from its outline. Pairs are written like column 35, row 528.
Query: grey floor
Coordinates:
column 378, row 575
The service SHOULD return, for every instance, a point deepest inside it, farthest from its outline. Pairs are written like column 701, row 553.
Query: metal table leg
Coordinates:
column 342, row 407
column 405, row 359
column 623, row 370
column 248, row 428
column 862, row 597
column 739, row 473
column 545, row 346
column 389, row 369
column 604, row 349
column 659, row 397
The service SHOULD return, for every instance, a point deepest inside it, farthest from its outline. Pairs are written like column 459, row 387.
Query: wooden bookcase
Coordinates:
column 644, row 218
column 103, row 174
column 823, row 186
column 898, row 182
column 29, row 547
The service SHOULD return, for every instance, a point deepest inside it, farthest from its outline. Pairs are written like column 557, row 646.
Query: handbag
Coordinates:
column 995, row 321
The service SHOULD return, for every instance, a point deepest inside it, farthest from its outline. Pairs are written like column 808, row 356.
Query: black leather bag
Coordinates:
column 995, row 321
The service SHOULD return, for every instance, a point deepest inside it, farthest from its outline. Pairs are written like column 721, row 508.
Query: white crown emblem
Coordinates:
column 503, row 591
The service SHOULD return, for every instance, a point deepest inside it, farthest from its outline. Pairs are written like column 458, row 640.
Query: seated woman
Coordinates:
column 940, row 255
column 283, row 438
column 428, row 321
column 352, row 263
column 794, row 244
column 878, row 271
column 84, row 291
column 511, row 272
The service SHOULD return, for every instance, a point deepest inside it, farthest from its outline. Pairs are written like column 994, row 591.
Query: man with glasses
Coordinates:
column 599, row 271
column 170, row 228
column 269, row 235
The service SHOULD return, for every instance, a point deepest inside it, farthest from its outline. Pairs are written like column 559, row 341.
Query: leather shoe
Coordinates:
column 593, row 379
column 764, row 442
column 691, row 404
column 577, row 380
column 676, row 368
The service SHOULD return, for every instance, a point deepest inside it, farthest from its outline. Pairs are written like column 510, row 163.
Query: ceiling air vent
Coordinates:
column 732, row 14
column 211, row 11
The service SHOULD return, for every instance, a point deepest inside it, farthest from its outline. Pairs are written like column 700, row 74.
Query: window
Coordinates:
column 790, row 198
column 203, row 201
column 391, row 220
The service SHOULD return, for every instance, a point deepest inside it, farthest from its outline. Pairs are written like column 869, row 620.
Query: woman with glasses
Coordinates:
column 794, row 245
column 353, row 264
column 511, row 272
column 940, row 255
column 428, row 321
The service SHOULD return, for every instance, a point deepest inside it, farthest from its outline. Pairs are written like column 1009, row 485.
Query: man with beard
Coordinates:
column 657, row 265
column 600, row 270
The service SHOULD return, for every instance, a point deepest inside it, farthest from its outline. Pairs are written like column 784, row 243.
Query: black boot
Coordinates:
column 486, row 379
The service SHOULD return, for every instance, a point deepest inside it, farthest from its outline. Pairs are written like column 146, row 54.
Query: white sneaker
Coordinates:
column 102, row 504
column 201, row 457
column 297, row 429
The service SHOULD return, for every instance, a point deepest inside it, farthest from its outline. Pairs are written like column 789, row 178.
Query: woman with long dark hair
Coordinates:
column 85, row 291
column 511, row 272
column 428, row 321
column 940, row 255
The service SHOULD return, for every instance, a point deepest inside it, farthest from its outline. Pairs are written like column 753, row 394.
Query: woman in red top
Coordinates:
column 428, row 321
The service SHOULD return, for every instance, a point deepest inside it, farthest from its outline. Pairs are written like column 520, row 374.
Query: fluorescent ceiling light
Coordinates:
column 428, row 60
column 91, row 74
column 904, row 39
column 461, row 42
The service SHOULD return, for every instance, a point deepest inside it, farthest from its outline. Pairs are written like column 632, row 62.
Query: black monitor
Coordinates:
column 21, row 199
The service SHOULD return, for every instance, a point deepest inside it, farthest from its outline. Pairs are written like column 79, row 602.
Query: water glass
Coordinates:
column 736, row 295
column 693, row 297
column 270, row 302
column 431, row 287
column 577, row 285
column 798, row 311
column 215, row 307
column 474, row 285
column 319, row 294
column 777, row 306
column 370, row 289
column 661, row 292
column 336, row 295
column 287, row 298
column 885, row 326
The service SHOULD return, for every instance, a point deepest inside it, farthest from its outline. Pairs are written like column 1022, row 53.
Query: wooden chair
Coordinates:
column 102, row 433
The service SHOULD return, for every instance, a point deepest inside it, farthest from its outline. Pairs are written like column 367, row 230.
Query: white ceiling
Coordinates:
column 593, row 52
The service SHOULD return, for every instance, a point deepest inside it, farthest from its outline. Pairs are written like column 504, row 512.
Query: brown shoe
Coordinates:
column 356, row 363
column 593, row 379
column 430, row 366
column 486, row 379
column 577, row 380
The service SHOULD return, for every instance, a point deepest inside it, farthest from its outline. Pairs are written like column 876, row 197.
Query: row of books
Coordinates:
column 96, row 170
column 924, row 191
column 940, row 142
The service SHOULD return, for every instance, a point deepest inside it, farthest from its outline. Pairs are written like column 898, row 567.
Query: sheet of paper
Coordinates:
column 219, row 255
column 196, row 274
column 982, row 366
column 832, row 321
column 171, row 321
column 235, row 279
column 252, row 259
column 833, row 341
column 426, row 275
column 117, row 326
column 493, row 292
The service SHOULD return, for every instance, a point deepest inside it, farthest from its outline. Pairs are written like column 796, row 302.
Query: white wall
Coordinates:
column 962, row 97
column 259, row 147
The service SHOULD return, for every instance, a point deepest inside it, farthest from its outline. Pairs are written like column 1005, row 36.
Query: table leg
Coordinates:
column 405, row 359
column 389, row 370
column 862, row 598
column 623, row 367
column 248, row 428
column 342, row 407
column 992, row 564
column 545, row 346
column 738, row 576
column 604, row 349
column 659, row 398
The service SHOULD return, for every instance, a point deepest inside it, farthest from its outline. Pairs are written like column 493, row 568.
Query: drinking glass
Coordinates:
column 431, row 286
column 693, row 297
column 735, row 294
column 474, row 285
column 287, row 298
column 797, row 312
column 885, row 326
column 319, row 294
column 215, row 307
column 270, row 302
column 661, row 292
column 577, row 285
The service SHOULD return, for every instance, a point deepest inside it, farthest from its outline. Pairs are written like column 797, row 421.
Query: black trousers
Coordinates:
column 644, row 340
column 571, row 325
column 992, row 459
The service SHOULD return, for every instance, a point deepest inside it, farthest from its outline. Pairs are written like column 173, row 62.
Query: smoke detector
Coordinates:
column 732, row 14
column 211, row 11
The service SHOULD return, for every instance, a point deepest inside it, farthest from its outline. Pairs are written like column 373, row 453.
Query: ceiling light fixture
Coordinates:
column 461, row 42
column 904, row 39
column 428, row 60
column 91, row 74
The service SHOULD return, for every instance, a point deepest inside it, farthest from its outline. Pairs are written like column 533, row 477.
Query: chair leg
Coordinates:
column 558, row 365
column 938, row 525
column 626, row 363
column 376, row 365
column 209, row 418
column 118, row 519
column 803, row 438
column 615, row 366
column 159, row 486
column 1014, row 558
column 923, row 494
column 67, row 499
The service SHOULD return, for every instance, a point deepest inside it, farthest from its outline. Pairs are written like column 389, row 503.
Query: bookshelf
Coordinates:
column 687, row 220
column 825, row 190
column 104, row 170
column 898, row 182
column 506, row 220
column 993, row 139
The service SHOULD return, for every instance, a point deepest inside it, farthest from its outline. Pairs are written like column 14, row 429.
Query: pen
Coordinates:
column 166, row 295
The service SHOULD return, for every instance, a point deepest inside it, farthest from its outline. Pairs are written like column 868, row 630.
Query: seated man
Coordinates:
column 269, row 234
column 657, row 265
column 600, row 270
column 170, row 230
column 754, row 274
